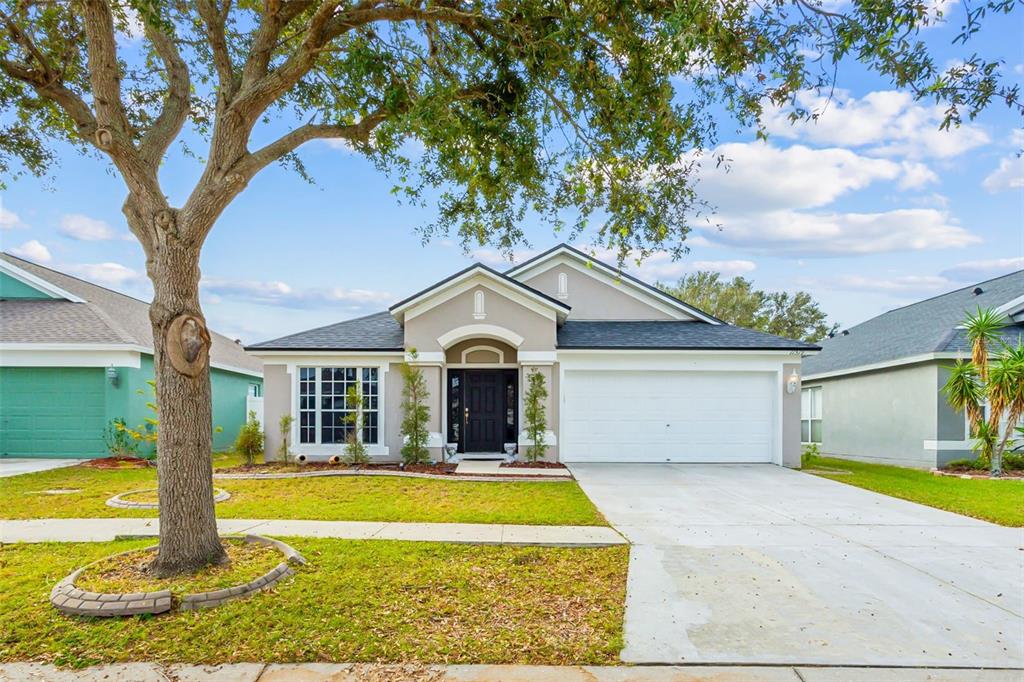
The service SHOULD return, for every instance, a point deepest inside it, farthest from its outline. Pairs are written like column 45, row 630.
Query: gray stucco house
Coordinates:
column 633, row 374
column 874, row 393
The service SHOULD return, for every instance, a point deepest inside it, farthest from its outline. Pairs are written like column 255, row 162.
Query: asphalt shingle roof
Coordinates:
column 379, row 331
column 106, row 317
column 669, row 335
column 929, row 326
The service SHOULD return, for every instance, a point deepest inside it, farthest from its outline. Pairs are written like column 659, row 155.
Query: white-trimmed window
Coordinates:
column 810, row 415
column 323, row 412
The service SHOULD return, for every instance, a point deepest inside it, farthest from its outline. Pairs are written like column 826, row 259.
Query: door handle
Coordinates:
column 467, row 414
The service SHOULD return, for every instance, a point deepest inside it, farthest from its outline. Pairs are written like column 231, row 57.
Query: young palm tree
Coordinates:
column 1000, row 382
column 983, row 327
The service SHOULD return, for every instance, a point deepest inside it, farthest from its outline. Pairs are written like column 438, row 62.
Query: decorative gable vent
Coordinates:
column 563, row 285
column 479, row 313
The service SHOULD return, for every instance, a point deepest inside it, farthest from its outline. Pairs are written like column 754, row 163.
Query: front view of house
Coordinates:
column 633, row 374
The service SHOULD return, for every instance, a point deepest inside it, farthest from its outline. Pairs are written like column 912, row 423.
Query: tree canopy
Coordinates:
column 582, row 113
column 794, row 316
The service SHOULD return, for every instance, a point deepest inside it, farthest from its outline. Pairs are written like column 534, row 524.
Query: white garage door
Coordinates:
column 644, row 416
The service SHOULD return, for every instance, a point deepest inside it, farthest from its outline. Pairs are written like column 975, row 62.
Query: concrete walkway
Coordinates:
column 757, row 564
column 15, row 466
column 101, row 530
column 341, row 672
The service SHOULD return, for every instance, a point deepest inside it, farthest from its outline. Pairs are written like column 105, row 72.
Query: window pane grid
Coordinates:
column 323, row 410
column 810, row 415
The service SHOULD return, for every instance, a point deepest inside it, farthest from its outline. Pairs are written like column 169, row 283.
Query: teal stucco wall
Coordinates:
column 62, row 411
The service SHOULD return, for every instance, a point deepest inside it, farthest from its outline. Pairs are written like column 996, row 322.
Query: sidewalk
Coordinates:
column 324, row 672
column 101, row 530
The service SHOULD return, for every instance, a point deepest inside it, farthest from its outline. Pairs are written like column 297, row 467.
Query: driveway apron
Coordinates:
column 761, row 564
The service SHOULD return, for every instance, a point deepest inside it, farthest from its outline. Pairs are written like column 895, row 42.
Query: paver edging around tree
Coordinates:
column 117, row 501
column 70, row 600
column 401, row 474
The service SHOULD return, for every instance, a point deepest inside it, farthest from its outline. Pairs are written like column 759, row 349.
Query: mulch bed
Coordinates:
column 280, row 467
column 117, row 463
column 533, row 465
column 978, row 473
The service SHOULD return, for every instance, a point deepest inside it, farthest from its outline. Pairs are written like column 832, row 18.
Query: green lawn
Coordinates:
column 1001, row 502
column 357, row 601
column 357, row 498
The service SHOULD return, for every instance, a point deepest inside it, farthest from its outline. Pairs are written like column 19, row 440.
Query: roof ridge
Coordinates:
column 74, row 277
column 950, row 292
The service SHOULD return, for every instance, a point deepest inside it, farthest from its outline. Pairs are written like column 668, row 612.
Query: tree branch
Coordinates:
column 176, row 107
column 356, row 132
column 105, row 74
column 215, row 20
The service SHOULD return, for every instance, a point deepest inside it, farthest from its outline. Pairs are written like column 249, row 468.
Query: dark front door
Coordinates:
column 484, row 410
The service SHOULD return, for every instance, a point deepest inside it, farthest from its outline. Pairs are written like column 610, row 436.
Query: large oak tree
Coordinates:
column 572, row 111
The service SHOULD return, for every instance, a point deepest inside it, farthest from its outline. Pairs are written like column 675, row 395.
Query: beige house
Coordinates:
column 633, row 374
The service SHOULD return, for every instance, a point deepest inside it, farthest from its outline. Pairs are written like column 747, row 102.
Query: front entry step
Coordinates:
column 478, row 467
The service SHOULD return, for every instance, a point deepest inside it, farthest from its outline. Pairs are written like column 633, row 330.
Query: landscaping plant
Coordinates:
column 355, row 449
column 117, row 439
column 535, row 413
column 487, row 110
column 811, row 453
column 994, row 376
column 415, row 414
column 285, row 426
column 249, row 443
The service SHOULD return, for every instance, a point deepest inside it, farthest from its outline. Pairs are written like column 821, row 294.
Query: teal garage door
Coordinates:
column 52, row 411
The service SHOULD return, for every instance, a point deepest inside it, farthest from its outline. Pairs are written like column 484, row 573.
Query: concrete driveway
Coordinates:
column 15, row 466
column 760, row 564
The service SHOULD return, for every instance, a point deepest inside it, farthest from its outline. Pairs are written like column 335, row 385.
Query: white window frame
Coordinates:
column 811, row 392
column 377, row 448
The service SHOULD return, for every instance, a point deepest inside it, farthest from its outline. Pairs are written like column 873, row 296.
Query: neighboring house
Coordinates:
column 633, row 374
column 74, row 355
column 874, row 393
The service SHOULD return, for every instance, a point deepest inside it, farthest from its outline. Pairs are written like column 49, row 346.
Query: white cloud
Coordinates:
column 902, row 285
column 498, row 259
column 762, row 177
column 9, row 220
column 106, row 274
column 977, row 270
column 86, row 229
column 279, row 293
column 1010, row 173
column 795, row 233
column 886, row 122
column 32, row 250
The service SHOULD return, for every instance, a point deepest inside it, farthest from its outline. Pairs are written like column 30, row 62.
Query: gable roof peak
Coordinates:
column 614, row 271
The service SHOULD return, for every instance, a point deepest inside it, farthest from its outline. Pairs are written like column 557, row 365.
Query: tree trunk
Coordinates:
column 188, row 524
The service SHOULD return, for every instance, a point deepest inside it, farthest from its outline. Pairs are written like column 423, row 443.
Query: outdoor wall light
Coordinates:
column 115, row 379
column 793, row 383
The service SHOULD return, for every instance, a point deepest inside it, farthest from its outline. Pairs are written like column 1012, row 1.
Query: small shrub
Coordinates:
column 285, row 425
column 249, row 443
column 971, row 464
column 1014, row 461
column 355, row 450
column 415, row 414
column 534, row 410
column 118, row 441
column 810, row 455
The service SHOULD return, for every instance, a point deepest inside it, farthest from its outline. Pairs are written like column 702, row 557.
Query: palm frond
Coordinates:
column 964, row 391
column 983, row 327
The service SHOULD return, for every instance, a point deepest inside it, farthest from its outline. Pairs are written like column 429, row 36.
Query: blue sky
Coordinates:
column 870, row 208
